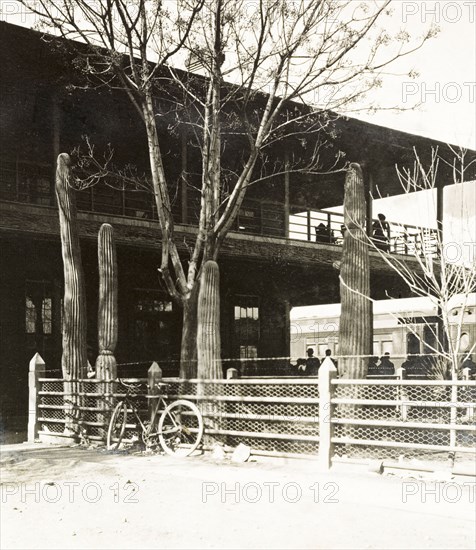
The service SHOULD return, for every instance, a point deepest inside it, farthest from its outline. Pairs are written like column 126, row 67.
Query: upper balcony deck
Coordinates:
column 260, row 222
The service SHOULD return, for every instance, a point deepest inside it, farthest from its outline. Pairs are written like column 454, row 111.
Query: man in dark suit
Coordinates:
column 312, row 363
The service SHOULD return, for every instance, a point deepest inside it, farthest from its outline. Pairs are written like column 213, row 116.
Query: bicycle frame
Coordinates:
column 147, row 429
column 177, row 427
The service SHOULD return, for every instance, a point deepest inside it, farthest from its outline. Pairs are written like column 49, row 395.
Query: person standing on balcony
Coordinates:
column 380, row 233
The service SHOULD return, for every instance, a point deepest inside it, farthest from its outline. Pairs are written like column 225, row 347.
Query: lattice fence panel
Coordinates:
column 404, row 421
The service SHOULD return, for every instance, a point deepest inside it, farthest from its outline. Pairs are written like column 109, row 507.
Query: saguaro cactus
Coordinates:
column 208, row 329
column 355, row 330
column 106, row 368
column 74, row 359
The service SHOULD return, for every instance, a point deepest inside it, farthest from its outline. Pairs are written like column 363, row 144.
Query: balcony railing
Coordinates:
column 32, row 183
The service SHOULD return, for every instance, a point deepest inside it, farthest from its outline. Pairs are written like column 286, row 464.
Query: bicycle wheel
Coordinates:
column 117, row 426
column 180, row 428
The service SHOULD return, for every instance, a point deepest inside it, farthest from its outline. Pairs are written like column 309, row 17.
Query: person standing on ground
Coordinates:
column 312, row 363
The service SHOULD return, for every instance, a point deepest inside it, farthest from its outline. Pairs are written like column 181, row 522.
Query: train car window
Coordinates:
column 376, row 349
column 311, row 344
column 464, row 342
column 387, row 347
column 413, row 344
column 430, row 339
column 322, row 350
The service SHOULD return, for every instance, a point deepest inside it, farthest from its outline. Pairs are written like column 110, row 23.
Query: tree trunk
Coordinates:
column 188, row 349
column 74, row 359
column 209, row 366
column 355, row 330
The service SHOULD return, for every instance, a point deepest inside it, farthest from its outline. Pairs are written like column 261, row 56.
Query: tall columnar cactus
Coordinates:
column 106, row 368
column 74, row 359
column 208, row 328
column 355, row 331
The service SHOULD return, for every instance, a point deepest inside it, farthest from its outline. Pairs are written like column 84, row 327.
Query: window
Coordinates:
column 30, row 316
column 246, row 326
column 248, row 352
column 151, row 304
column 376, row 349
column 382, row 345
column 322, row 350
column 38, row 318
column 387, row 347
column 46, row 315
column 413, row 344
column 464, row 342
column 38, row 308
column 152, row 329
column 430, row 339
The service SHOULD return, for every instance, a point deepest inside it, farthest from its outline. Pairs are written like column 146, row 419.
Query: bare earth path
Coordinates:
column 75, row 498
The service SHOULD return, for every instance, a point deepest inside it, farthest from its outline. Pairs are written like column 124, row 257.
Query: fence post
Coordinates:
column 37, row 371
column 154, row 377
column 401, row 394
column 470, row 409
column 327, row 373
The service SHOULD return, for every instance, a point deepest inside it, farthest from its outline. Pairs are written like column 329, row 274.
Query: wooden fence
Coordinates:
column 325, row 418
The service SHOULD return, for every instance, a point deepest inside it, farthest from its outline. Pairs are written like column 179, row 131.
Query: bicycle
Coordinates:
column 179, row 429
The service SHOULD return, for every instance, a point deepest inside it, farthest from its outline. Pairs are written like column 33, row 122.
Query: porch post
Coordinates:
column 286, row 195
column 183, row 178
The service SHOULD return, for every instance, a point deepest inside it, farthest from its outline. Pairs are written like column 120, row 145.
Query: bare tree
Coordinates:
column 259, row 63
column 431, row 272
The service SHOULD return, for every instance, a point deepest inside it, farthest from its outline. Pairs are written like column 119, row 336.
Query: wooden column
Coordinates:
column 184, row 177
column 286, row 195
column 369, row 192
column 56, row 137
column 287, row 326
column 439, row 209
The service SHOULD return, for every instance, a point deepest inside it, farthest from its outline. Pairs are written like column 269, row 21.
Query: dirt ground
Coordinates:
column 76, row 498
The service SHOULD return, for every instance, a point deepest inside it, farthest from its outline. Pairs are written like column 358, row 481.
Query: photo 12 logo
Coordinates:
column 270, row 492
column 69, row 491
column 449, row 492
column 439, row 11
column 438, row 92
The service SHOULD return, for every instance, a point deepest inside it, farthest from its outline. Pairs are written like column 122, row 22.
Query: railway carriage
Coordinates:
column 401, row 327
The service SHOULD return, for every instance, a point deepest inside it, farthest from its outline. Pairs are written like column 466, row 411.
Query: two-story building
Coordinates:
column 273, row 259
